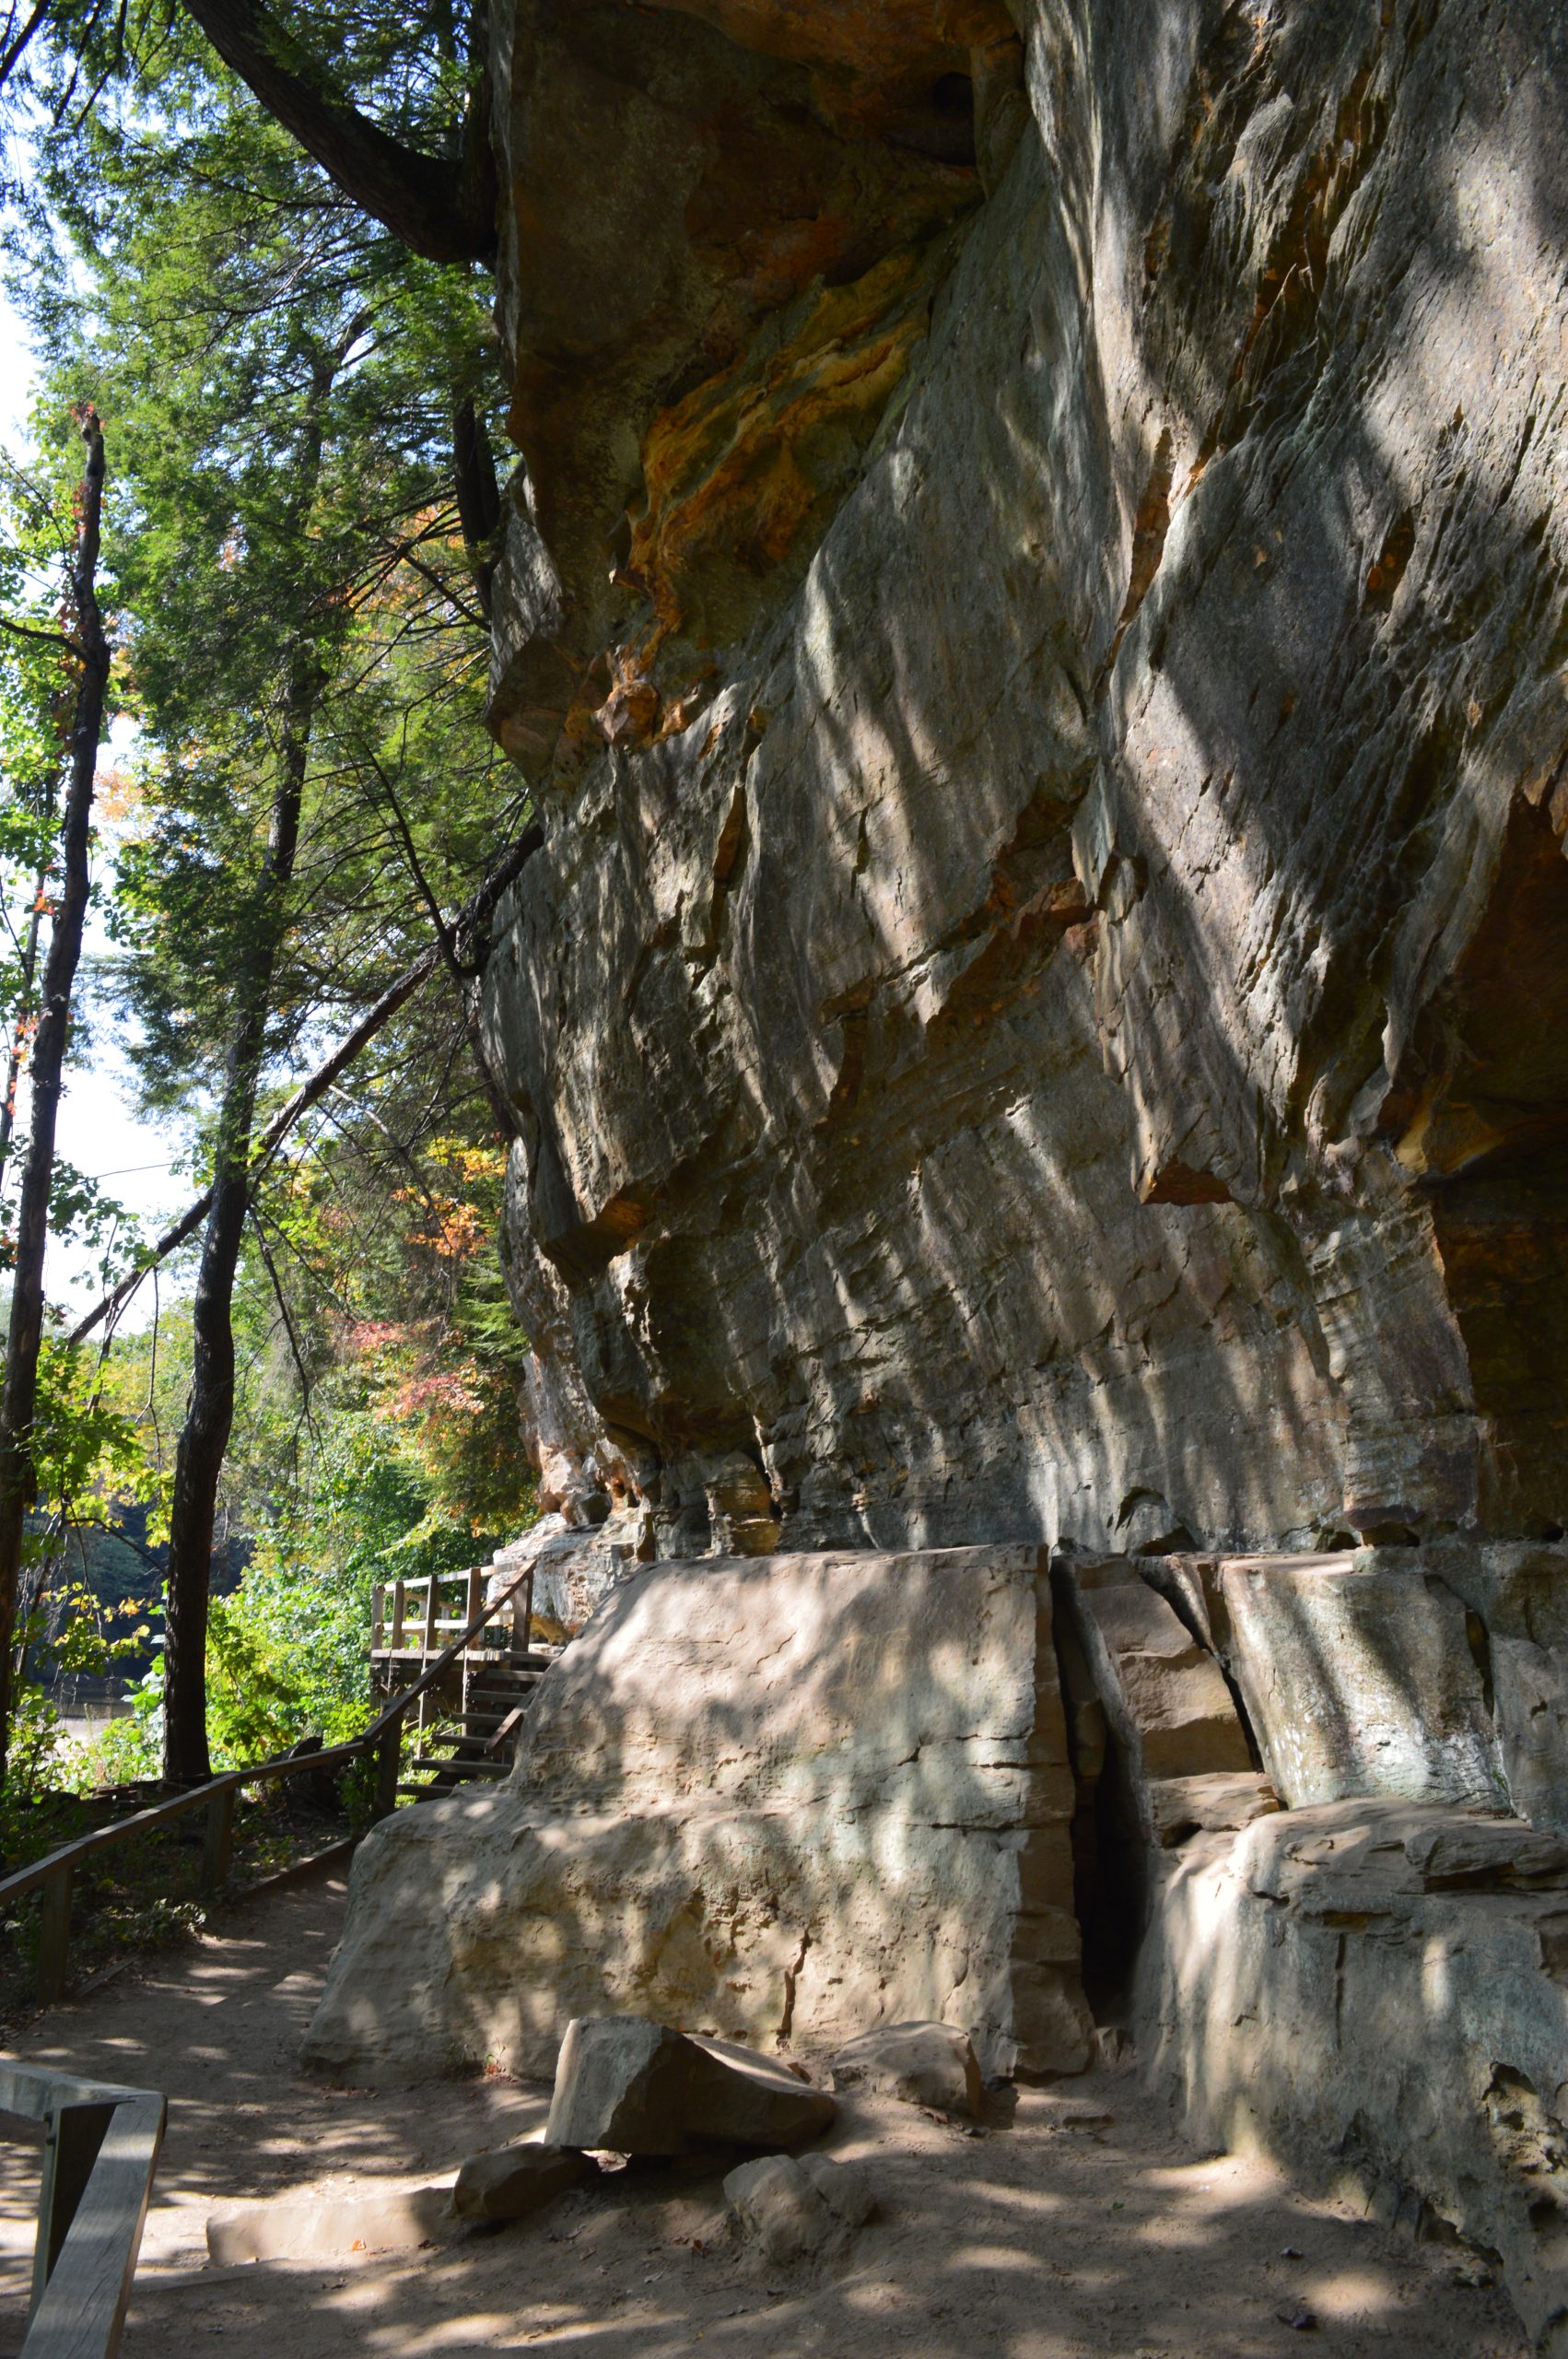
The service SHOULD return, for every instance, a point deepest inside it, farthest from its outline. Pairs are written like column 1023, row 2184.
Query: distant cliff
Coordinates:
column 1034, row 610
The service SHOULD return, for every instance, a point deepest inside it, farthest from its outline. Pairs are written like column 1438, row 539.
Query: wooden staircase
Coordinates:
column 481, row 1736
column 470, row 1719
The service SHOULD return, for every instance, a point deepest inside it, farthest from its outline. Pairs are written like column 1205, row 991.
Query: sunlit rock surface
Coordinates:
column 1379, row 1990
column 1038, row 634
column 780, row 1800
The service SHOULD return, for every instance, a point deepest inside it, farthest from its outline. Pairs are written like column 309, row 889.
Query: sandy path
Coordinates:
column 1079, row 2227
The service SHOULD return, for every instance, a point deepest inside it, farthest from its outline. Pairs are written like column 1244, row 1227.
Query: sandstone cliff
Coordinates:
column 1034, row 611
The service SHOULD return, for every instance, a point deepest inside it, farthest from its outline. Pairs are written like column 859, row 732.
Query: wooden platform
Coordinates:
column 469, row 1723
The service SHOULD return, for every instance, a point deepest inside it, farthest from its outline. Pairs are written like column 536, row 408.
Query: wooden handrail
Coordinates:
column 216, row 1796
column 101, row 2153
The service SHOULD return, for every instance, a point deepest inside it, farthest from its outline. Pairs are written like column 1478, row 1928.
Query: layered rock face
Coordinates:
column 1034, row 611
column 776, row 1802
column 1035, row 615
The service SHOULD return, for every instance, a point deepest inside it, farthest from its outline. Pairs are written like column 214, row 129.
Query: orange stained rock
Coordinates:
column 734, row 471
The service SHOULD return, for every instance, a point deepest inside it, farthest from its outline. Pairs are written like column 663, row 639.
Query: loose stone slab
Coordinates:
column 1359, row 1681
column 301, row 2228
column 923, row 2063
column 512, row 2181
column 639, row 2088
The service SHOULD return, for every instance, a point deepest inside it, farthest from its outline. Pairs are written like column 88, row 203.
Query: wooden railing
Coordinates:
column 51, row 1877
column 409, row 1618
column 100, row 2151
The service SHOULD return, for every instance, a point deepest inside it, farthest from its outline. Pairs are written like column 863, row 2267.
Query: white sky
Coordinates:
column 98, row 1133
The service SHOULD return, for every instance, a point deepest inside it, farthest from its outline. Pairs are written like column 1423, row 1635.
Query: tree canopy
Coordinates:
column 294, row 391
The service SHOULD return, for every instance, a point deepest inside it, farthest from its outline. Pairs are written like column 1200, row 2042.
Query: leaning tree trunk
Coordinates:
column 209, row 1415
column 19, row 1400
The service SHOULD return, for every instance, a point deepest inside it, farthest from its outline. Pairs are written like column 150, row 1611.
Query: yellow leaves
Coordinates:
column 449, row 1227
column 119, row 793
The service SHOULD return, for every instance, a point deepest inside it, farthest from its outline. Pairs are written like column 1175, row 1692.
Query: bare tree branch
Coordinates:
column 439, row 207
column 269, row 1140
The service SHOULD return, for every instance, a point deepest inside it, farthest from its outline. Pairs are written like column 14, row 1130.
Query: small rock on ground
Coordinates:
column 510, row 2182
column 796, row 2211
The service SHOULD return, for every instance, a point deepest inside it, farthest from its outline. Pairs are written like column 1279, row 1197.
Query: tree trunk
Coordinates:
column 440, row 206
column 478, row 495
column 209, row 1415
column 20, row 1029
column 19, row 1399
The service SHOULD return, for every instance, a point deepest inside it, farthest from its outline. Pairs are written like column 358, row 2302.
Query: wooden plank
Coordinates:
column 82, row 2313
column 70, row 2149
column 399, row 1594
column 432, row 1608
column 33, row 2092
column 54, row 1934
column 378, row 1596
column 388, row 1754
column 523, row 1614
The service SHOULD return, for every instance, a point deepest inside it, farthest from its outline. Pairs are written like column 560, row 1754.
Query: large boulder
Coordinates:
column 1517, row 1595
column 777, row 1798
column 1360, row 1678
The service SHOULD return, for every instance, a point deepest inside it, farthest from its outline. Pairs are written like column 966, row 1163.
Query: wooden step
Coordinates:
column 461, row 1769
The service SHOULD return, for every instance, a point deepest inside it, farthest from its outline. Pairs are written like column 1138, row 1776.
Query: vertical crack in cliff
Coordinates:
column 791, row 1983
column 1149, row 527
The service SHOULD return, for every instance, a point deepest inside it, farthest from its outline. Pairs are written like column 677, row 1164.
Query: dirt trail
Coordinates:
column 1079, row 2225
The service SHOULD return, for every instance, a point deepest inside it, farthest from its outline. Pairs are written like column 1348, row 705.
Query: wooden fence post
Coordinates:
column 398, row 1595
column 71, row 2138
column 377, row 1597
column 432, row 1607
column 218, row 1846
column 53, row 1934
column 389, row 1754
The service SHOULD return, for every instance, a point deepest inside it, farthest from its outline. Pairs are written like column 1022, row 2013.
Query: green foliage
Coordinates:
column 276, row 380
column 286, row 1657
column 67, row 1634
